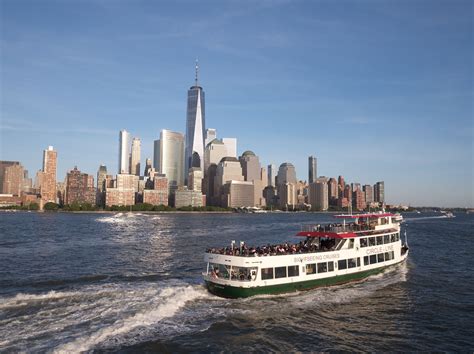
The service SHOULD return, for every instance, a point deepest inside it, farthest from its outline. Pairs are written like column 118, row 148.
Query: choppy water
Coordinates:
column 94, row 282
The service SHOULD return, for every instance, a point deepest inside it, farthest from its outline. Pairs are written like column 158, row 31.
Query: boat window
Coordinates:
column 219, row 270
column 373, row 259
column 380, row 257
column 330, row 266
column 280, row 272
column 363, row 242
column 397, row 237
column 371, row 241
column 386, row 239
column 322, row 267
column 379, row 240
column 351, row 243
column 393, row 238
column 366, row 260
column 311, row 268
column 342, row 264
column 352, row 262
column 393, row 254
column 358, row 261
column 267, row 273
column 243, row 273
column 388, row 256
column 293, row 271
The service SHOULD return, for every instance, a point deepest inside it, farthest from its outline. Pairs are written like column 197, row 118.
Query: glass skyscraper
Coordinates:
column 195, row 127
column 312, row 169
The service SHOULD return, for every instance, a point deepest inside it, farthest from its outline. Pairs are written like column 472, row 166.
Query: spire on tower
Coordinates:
column 197, row 72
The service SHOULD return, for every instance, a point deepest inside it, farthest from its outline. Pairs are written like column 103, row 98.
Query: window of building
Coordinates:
column 380, row 257
column 371, row 241
column 386, row 239
column 366, row 260
column 322, row 267
column 379, row 240
column 351, row 263
column 280, row 272
column 373, row 259
column 363, row 242
column 342, row 264
column 330, row 266
column 311, row 268
column 267, row 273
column 293, row 271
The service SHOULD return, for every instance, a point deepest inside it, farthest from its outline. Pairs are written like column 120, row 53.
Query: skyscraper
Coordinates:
column 312, row 169
column 195, row 126
column 287, row 185
column 101, row 178
column 135, row 157
column 148, row 167
column 171, row 159
column 13, row 179
column 48, row 176
column 156, row 155
column 271, row 175
column 124, row 152
column 79, row 188
column 379, row 192
column 211, row 134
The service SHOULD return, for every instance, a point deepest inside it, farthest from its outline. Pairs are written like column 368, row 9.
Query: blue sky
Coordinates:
column 377, row 90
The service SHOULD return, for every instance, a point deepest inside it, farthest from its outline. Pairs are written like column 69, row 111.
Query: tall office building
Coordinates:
column 215, row 151
column 156, row 155
column 332, row 191
column 195, row 126
column 100, row 191
column 286, row 173
column 369, row 193
column 3, row 166
column 271, row 175
column 318, row 194
column 379, row 192
column 148, row 167
column 135, row 157
column 124, row 152
column 48, row 176
column 312, row 169
column 231, row 146
column 171, row 157
column 253, row 172
column 286, row 187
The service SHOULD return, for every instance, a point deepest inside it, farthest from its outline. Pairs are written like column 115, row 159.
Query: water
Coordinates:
column 105, row 282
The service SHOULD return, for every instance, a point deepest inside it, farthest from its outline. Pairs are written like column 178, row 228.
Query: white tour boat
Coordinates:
column 327, row 255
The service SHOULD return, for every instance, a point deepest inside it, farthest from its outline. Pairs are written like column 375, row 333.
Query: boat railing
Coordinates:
column 338, row 228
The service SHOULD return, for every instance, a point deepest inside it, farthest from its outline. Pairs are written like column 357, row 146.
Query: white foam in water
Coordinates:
column 170, row 301
column 26, row 299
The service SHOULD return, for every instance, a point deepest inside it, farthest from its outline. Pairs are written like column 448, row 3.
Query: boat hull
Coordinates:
column 233, row 292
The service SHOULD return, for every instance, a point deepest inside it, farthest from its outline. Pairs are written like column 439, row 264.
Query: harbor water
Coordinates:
column 132, row 282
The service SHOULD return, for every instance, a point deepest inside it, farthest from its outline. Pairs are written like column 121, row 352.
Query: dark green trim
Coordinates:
column 236, row 292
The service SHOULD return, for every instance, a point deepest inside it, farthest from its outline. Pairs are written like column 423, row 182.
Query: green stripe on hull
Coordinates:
column 236, row 292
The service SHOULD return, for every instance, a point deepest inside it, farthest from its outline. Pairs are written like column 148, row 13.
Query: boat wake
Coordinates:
column 426, row 218
column 101, row 316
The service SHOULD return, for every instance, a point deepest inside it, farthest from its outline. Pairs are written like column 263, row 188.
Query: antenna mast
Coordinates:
column 197, row 72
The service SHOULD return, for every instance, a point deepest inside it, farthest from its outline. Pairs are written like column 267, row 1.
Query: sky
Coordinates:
column 376, row 90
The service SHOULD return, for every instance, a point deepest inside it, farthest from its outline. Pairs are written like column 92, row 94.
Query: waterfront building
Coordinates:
column 369, row 194
column 171, row 160
column 195, row 179
column 48, row 176
column 135, row 157
column 348, row 193
column 124, row 152
column 209, row 183
column 148, row 167
column 271, row 175
column 195, row 127
column 359, row 200
column 318, row 194
column 3, row 166
column 379, row 192
column 238, row 194
column 123, row 192
column 13, row 179
column 100, row 189
column 210, row 135
column 312, row 169
column 158, row 195
column 27, row 183
column 184, row 197
column 79, row 188
column 231, row 146
column 332, row 191
column 342, row 202
column 355, row 187
column 270, row 195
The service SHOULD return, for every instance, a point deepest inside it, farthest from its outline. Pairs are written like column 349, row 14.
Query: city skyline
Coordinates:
column 400, row 128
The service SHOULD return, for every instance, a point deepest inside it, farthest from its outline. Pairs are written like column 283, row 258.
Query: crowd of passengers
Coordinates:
column 277, row 250
column 361, row 226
